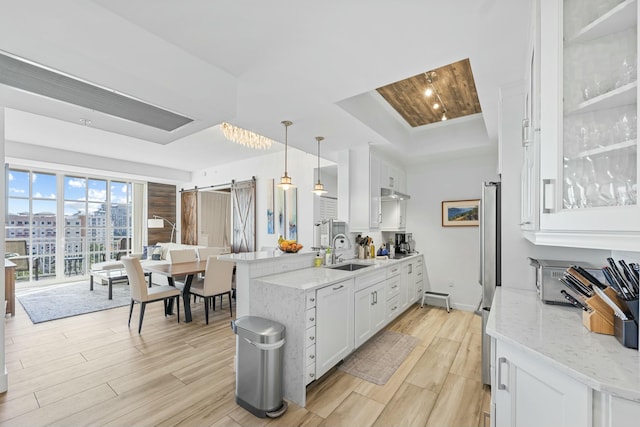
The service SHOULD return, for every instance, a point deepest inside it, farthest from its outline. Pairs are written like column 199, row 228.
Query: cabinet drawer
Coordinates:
column 419, row 289
column 310, row 318
column 393, row 271
column 363, row 282
column 311, row 299
column 393, row 307
column 393, row 287
column 310, row 354
column 310, row 373
column 310, row 336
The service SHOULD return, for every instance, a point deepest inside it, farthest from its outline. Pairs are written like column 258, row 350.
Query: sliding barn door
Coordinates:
column 189, row 218
column 243, row 202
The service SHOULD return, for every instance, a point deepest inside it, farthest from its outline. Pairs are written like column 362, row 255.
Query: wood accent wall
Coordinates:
column 162, row 202
column 189, row 218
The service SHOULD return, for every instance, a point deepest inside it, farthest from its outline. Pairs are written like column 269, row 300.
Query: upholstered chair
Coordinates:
column 142, row 294
column 216, row 282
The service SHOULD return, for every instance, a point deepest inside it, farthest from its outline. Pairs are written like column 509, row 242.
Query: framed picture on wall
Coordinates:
column 271, row 224
column 460, row 213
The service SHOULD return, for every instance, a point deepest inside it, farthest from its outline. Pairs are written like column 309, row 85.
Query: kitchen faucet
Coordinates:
column 333, row 246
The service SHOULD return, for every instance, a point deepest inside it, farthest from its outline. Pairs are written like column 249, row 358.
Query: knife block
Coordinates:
column 601, row 318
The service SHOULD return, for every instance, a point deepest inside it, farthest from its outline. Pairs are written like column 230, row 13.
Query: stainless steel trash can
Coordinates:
column 259, row 352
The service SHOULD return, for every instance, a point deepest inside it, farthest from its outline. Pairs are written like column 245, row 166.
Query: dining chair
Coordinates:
column 177, row 256
column 142, row 294
column 203, row 253
column 216, row 282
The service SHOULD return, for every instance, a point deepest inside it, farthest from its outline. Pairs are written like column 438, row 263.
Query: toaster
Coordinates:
column 549, row 273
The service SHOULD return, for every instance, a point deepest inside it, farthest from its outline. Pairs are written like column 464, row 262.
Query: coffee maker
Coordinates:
column 404, row 243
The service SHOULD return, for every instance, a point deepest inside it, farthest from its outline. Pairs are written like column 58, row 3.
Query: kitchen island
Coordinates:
column 320, row 309
column 547, row 368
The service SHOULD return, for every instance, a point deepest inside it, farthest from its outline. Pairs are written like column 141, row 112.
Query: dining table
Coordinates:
column 180, row 269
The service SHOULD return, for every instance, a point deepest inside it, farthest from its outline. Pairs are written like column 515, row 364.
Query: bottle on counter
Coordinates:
column 327, row 257
column 317, row 261
column 372, row 250
column 360, row 252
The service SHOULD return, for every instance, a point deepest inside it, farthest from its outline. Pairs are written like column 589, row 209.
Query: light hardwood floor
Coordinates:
column 93, row 370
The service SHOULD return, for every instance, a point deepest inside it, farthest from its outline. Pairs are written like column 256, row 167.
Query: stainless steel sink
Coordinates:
column 349, row 267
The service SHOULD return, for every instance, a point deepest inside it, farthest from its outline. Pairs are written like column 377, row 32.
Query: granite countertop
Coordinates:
column 317, row 277
column 556, row 335
column 261, row 256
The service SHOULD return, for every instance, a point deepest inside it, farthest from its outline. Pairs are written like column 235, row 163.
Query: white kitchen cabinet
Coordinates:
column 393, row 215
column 392, row 176
column 531, row 131
column 529, row 392
column 587, row 159
column 369, row 311
column 334, row 325
column 407, row 284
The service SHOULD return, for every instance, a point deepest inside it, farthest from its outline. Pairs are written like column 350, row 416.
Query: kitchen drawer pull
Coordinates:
column 339, row 287
column 395, row 307
column 313, row 356
column 312, row 319
column 312, row 338
column 393, row 270
column 312, row 375
column 394, row 286
column 312, row 299
column 501, row 361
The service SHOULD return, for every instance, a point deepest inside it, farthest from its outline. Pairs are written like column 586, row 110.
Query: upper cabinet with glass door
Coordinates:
column 588, row 131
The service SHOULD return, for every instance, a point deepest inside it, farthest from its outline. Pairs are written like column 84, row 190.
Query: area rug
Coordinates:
column 73, row 299
column 379, row 358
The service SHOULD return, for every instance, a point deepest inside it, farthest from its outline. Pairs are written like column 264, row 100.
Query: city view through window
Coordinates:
column 58, row 225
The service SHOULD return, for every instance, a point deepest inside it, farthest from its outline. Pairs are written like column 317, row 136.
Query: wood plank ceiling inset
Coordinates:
column 454, row 83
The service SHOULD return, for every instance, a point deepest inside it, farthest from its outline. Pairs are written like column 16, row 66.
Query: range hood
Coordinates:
column 391, row 194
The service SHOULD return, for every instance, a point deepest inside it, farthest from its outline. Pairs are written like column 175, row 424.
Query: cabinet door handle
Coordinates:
column 312, row 299
column 312, row 338
column 526, row 139
column 525, row 223
column 311, row 319
column 312, row 375
column 376, row 293
column 339, row 287
column 501, row 361
column 548, row 195
column 372, row 301
column 313, row 356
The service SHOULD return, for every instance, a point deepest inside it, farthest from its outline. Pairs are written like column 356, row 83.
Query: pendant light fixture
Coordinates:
column 318, row 189
column 285, row 181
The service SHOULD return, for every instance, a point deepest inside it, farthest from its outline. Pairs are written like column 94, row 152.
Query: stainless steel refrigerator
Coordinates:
column 489, row 264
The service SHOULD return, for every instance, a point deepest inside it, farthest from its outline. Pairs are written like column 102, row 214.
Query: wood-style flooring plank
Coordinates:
column 49, row 415
column 458, row 403
column 433, row 367
column 355, row 410
column 468, row 361
column 456, row 325
column 410, row 406
column 325, row 397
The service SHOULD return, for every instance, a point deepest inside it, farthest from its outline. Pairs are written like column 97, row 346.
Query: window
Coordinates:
column 96, row 221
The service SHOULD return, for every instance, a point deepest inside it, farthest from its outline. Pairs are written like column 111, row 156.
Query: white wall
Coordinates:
column 451, row 253
column 264, row 168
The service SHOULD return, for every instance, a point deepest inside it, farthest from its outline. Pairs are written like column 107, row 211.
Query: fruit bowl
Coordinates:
column 290, row 247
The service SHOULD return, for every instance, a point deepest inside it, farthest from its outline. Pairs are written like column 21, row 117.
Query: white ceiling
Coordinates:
column 255, row 63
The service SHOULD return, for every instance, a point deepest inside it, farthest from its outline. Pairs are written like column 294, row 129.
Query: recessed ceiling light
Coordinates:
column 436, row 106
column 428, row 92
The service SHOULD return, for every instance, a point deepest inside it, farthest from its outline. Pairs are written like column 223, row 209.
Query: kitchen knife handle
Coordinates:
column 501, row 361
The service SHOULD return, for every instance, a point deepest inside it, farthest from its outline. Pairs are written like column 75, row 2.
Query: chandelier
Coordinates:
column 245, row 137
column 431, row 90
column 319, row 187
column 285, row 181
